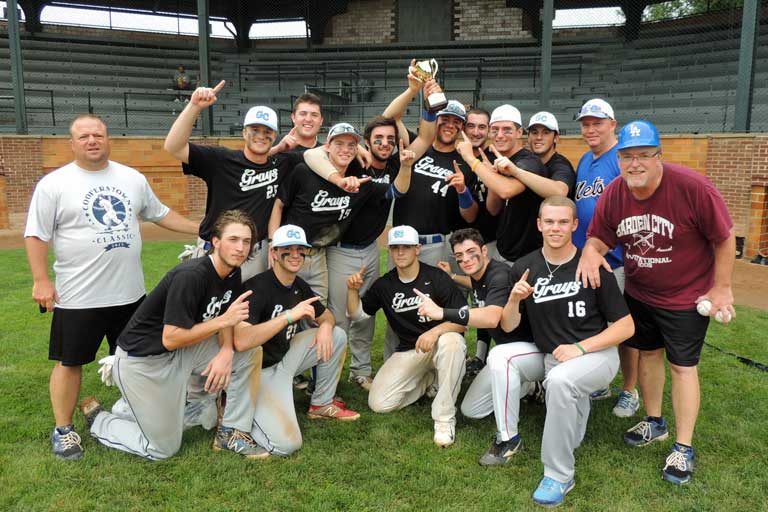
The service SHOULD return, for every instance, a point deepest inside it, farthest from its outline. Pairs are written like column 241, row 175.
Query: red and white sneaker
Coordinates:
column 335, row 410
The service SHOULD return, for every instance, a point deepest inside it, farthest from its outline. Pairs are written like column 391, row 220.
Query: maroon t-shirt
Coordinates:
column 667, row 239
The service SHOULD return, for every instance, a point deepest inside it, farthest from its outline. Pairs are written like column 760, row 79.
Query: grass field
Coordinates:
column 381, row 462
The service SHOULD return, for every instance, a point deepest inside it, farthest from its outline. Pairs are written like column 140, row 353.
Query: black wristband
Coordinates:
column 457, row 316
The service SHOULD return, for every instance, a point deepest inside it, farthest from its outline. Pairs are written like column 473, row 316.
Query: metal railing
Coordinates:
column 31, row 97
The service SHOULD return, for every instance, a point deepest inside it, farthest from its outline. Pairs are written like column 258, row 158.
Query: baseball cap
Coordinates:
column 403, row 235
column 506, row 113
column 545, row 119
column 288, row 235
column 342, row 129
column 638, row 134
column 261, row 115
column 596, row 108
column 454, row 108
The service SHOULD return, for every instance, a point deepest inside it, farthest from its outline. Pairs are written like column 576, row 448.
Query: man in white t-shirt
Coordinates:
column 90, row 210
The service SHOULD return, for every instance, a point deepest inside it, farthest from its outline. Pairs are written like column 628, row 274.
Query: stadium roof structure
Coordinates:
column 243, row 13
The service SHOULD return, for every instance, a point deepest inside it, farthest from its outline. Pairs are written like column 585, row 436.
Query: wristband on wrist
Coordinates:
column 578, row 345
column 474, row 165
column 288, row 317
column 465, row 199
column 458, row 316
column 428, row 116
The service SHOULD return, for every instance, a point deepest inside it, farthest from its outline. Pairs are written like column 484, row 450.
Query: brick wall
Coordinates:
column 365, row 22
column 476, row 20
column 757, row 239
column 22, row 162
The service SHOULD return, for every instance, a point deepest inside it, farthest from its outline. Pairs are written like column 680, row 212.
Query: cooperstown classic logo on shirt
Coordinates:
column 109, row 210
column 427, row 167
column 214, row 307
column 545, row 292
column 324, row 202
column 252, row 179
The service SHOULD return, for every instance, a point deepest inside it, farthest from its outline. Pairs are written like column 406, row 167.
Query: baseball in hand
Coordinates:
column 704, row 307
column 723, row 316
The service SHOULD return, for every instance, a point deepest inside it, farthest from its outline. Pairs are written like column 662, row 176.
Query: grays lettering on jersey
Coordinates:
column 560, row 310
column 270, row 299
column 400, row 303
column 234, row 182
column 191, row 293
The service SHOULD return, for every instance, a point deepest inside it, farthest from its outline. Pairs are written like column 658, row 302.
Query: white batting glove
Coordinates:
column 105, row 370
column 187, row 253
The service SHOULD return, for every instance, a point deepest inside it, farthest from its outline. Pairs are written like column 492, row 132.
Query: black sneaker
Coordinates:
column 300, row 382
column 646, row 432
column 474, row 365
column 90, row 407
column 239, row 442
column 501, row 452
column 537, row 394
column 66, row 443
column 678, row 467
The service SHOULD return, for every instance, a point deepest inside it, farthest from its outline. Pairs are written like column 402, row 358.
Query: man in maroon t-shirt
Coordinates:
column 679, row 249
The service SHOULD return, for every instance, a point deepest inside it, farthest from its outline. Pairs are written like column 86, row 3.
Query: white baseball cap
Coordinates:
column 342, row 129
column 455, row 109
column 506, row 113
column 261, row 115
column 403, row 235
column 545, row 119
column 596, row 108
column 289, row 235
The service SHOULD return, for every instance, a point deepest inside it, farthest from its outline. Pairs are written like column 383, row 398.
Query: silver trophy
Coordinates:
column 424, row 70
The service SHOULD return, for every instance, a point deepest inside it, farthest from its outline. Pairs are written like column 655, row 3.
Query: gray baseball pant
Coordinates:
column 274, row 425
column 342, row 263
column 405, row 377
column 315, row 272
column 155, row 389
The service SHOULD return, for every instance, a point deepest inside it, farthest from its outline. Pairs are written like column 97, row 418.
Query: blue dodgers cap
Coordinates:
column 638, row 134
column 454, row 108
column 403, row 235
column 289, row 235
column 261, row 115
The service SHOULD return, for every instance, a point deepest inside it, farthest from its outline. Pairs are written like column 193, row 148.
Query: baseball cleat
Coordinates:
column 551, row 493
column 473, row 366
column 300, row 382
column 627, row 404
column 336, row 410
column 678, row 467
column 65, row 443
column 445, row 433
column 364, row 381
column 239, row 442
column 501, row 452
column 90, row 407
column 646, row 432
column 600, row 394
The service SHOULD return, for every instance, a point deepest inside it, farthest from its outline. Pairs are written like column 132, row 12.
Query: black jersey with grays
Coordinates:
column 400, row 303
column 560, row 310
column 191, row 293
column 517, row 233
column 234, row 182
column 431, row 205
column 486, row 223
column 270, row 299
column 372, row 218
column 493, row 290
column 322, row 209
column 559, row 168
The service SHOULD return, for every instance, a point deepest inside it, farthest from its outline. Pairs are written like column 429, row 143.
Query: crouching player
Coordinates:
column 577, row 347
column 184, row 327
column 281, row 307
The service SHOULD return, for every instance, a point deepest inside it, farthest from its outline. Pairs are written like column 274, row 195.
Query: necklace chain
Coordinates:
column 549, row 269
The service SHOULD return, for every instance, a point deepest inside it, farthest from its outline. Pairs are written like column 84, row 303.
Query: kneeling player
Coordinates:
column 281, row 305
column 578, row 347
column 184, row 327
column 425, row 345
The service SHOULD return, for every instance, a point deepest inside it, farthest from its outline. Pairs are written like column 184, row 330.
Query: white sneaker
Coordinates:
column 364, row 381
column 445, row 432
column 627, row 404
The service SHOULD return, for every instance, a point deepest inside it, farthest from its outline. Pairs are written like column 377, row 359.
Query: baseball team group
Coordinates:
column 567, row 276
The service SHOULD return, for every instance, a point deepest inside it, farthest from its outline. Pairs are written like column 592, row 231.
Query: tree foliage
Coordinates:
column 680, row 8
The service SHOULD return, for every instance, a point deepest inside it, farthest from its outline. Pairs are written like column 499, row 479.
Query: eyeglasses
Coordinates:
column 642, row 158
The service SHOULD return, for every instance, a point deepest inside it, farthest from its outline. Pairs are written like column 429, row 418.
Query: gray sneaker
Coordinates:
column 501, row 452
column 627, row 404
column 600, row 394
column 66, row 443
column 238, row 442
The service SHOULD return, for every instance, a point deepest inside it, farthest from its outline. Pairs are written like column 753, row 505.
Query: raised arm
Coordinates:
column 504, row 187
column 177, row 140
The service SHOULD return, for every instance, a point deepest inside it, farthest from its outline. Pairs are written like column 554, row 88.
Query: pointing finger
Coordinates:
column 525, row 275
column 402, row 145
column 244, row 296
column 365, row 179
column 421, row 295
column 219, row 87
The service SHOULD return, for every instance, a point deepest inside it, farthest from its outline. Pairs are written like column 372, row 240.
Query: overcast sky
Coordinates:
column 75, row 16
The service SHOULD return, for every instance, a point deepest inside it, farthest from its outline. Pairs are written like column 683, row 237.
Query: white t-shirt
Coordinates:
column 93, row 217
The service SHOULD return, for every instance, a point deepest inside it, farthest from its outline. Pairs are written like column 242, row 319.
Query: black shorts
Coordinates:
column 76, row 334
column 680, row 333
